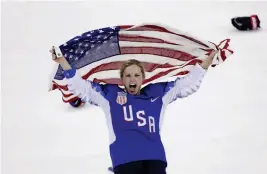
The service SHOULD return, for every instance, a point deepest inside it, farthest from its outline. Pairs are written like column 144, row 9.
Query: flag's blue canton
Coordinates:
column 90, row 47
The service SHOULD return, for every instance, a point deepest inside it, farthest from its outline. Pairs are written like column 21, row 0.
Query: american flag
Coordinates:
column 165, row 52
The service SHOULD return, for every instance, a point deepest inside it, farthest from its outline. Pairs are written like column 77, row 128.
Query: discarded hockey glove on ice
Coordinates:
column 246, row 22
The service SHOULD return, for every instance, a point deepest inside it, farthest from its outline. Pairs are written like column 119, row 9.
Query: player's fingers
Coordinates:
column 53, row 55
column 213, row 53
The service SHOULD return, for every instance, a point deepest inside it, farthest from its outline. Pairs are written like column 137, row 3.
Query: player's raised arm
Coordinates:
column 185, row 86
column 86, row 90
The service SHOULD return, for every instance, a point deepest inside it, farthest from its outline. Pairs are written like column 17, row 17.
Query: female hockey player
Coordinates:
column 133, row 114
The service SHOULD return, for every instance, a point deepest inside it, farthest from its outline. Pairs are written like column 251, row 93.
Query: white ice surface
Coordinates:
column 222, row 129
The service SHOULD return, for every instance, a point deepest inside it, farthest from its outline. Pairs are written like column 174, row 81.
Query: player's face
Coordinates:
column 132, row 79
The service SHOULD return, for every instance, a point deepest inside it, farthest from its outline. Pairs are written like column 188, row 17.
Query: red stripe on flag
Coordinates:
column 70, row 100
column 65, row 88
column 148, row 28
column 131, row 38
column 123, row 27
column 182, row 73
column 54, row 86
column 226, row 45
column 64, row 95
column 223, row 56
column 159, row 75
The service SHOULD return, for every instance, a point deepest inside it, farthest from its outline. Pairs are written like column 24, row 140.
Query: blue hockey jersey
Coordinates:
column 134, row 121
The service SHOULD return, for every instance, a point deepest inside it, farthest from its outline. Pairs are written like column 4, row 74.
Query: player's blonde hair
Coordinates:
column 129, row 63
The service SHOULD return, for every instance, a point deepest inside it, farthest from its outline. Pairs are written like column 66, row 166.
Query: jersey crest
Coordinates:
column 121, row 98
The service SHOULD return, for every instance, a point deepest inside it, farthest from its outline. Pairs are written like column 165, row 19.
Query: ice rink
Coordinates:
column 222, row 129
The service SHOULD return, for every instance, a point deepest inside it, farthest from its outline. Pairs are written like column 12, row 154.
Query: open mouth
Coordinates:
column 132, row 88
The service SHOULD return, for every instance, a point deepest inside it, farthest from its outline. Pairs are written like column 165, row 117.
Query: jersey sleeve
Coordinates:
column 185, row 86
column 86, row 90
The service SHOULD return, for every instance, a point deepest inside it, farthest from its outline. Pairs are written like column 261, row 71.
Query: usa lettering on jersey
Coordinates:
column 142, row 120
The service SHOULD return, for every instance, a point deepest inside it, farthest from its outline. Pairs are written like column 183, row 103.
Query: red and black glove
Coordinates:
column 246, row 22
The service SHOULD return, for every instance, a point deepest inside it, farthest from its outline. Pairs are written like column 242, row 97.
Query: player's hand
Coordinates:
column 54, row 57
column 61, row 60
column 208, row 61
